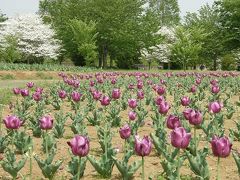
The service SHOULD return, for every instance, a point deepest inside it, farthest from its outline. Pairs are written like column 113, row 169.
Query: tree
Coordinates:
column 207, row 19
column 229, row 15
column 124, row 27
column 185, row 50
column 168, row 10
column 9, row 53
column 85, row 38
column 2, row 17
column 35, row 39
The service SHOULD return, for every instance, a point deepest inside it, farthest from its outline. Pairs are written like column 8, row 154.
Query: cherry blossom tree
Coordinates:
column 35, row 39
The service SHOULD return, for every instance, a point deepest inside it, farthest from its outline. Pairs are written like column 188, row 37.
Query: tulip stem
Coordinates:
column 195, row 139
column 46, row 141
column 143, row 168
column 218, row 167
column 30, row 155
column 79, row 168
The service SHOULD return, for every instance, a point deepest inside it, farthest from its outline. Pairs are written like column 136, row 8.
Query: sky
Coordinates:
column 14, row 7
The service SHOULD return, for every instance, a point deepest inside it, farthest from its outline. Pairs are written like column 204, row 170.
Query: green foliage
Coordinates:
column 74, row 164
column 2, row 17
column 127, row 171
column 10, row 165
column 186, row 49
column 228, row 62
column 198, row 163
column 123, row 26
column 84, row 35
column 47, row 166
column 22, row 142
column 236, row 157
column 9, row 53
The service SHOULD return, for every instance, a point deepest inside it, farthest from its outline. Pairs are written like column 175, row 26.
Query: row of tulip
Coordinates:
column 99, row 99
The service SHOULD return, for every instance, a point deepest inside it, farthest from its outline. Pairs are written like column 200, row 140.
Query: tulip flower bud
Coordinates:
column 30, row 84
column 105, row 101
column 173, row 122
column 125, row 131
column 221, row 147
column 16, row 91
column 76, row 96
column 215, row 107
column 215, row 89
column 37, row 96
column 143, row 146
column 46, row 122
column 195, row 117
column 132, row 103
column 116, row 93
column 12, row 122
column 79, row 145
column 24, row 92
column 132, row 115
column 62, row 94
column 185, row 101
column 180, row 138
column 163, row 107
column 140, row 94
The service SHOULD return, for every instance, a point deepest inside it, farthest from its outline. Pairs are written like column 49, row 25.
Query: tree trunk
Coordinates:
column 111, row 61
column 100, row 59
column 105, row 52
column 169, row 65
column 149, row 65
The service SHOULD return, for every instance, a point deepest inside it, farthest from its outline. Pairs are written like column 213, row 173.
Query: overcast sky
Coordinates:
column 13, row 7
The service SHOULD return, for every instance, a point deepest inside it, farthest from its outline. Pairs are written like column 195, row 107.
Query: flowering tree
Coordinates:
column 35, row 39
column 160, row 52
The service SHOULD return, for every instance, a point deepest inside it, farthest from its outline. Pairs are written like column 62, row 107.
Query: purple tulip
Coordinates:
column 132, row 115
column 24, row 92
column 186, row 113
column 62, row 94
column 180, row 138
column 116, row 93
column 143, row 146
column 198, row 81
column 91, row 83
column 140, row 94
column 185, row 101
column 37, row 96
column 96, row 95
column 113, row 81
column 132, row 103
column 221, row 147
column 30, row 84
column 76, row 96
column 173, row 122
column 160, row 90
column 39, row 90
column 12, row 122
column 195, row 117
column 105, row 101
column 159, row 100
column 215, row 107
column 193, row 89
column 16, row 91
column 163, row 107
column 125, row 131
column 140, row 85
column 215, row 89
column 46, row 122
column 79, row 145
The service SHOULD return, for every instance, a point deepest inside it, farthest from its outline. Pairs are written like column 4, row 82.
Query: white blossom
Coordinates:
column 161, row 51
column 34, row 37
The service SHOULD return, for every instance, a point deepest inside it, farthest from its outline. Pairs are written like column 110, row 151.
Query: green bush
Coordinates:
column 228, row 62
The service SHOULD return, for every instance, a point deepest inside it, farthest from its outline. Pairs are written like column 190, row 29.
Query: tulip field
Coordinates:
column 123, row 125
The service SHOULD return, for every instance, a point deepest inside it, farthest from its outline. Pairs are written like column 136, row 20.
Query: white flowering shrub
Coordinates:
column 161, row 51
column 34, row 37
